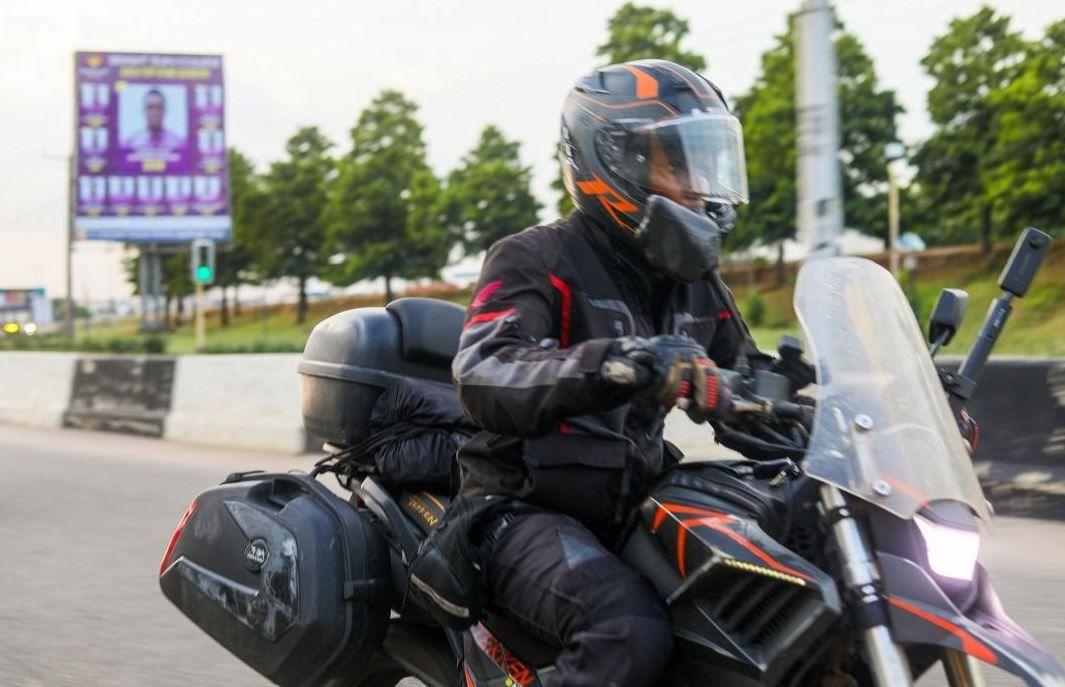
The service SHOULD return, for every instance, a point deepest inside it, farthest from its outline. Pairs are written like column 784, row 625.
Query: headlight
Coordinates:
column 951, row 551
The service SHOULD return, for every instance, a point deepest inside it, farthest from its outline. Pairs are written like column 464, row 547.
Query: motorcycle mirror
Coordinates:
column 678, row 242
column 947, row 315
column 789, row 347
column 1024, row 262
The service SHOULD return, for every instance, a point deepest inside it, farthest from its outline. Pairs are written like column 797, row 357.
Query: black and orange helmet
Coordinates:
column 650, row 127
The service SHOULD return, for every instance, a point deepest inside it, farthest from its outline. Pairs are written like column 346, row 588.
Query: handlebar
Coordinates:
column 785, row 410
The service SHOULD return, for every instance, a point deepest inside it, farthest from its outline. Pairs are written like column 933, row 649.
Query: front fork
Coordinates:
column 962, row 670
column 868, row 606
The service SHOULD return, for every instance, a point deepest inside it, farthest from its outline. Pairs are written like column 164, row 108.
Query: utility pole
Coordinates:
column 820, row 206
column 72, row 204
column 201, row 326
column 893, row 151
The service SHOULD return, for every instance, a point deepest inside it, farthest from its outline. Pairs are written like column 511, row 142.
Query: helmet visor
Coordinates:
column 690, row 159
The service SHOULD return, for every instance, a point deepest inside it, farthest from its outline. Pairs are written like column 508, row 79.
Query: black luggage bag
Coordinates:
column 287, row 576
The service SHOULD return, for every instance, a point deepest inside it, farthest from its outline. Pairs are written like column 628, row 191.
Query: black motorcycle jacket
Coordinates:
column 548, row 304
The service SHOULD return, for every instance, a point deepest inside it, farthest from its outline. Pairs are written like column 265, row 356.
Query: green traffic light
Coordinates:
column 203, row 273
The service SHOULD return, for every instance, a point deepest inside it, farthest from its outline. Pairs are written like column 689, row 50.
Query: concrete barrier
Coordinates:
column 245, row 401
column 35, row 387
column 1020, row 458
column 128, row 394
column 1020, row 405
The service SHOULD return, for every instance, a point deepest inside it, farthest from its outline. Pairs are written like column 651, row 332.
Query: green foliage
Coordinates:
column 754, row 309
column 1029, row 141
column 383, row 213
column 867, row 123
column 977, row 56
column 289, row 217
column 254, row 347
column 56, row 342
column 564, row 204
column 488, row 195
column 637, row 32
column 235, row 262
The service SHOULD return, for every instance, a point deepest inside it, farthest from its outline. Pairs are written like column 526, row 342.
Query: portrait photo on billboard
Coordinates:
column 153, row 117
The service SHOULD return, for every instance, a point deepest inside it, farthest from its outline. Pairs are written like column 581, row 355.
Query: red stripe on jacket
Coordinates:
column 567, row 304
column 488, row 317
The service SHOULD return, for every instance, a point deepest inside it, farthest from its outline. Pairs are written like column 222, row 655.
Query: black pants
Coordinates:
column 551, row 575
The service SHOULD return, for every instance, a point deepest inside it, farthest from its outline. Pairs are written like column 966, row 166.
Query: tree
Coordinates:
column 637, row 32
column 1029, row 174
column 384, row 209
column 291, row 212
column 177, row 284
column 488, row 195
column 867, row 123
column 977, row 56
column 235, row 261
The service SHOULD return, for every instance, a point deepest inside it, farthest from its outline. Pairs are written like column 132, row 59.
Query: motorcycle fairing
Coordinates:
column 921, row 613
column 488, row 663
column 744, row 602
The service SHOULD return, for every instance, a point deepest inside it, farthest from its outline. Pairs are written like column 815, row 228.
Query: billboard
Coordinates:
column 25, row 306
column 151, row 152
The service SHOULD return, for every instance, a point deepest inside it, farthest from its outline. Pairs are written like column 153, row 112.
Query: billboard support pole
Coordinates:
column 142, row 284
column 201, row 329
column 72, row 190
column 157, row 289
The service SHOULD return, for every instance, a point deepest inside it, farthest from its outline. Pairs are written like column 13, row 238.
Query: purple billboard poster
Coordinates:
column 151, row 149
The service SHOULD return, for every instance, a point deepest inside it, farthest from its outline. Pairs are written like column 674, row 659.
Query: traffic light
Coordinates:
column 203, row 261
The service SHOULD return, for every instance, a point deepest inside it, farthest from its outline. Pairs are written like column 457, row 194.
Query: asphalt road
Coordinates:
column 84, row 519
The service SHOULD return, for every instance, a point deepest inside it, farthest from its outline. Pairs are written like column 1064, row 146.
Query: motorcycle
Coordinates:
column 843, row 550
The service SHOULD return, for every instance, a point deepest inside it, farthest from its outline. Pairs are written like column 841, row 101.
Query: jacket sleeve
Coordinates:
column 732, row 337
column 509, row 378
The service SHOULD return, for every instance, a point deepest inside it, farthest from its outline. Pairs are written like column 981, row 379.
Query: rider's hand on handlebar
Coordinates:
column 708, row 396
column 656, row 364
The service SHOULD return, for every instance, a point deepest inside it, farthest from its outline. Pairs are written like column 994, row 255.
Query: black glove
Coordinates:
column 656, row 365
column 708, row 396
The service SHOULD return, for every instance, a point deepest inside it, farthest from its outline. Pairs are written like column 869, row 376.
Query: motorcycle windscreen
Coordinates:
column 883, row 430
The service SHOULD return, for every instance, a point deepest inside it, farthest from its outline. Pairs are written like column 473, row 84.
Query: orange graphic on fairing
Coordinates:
column 716, row 521
column 514, row 669
column 969, row 644
column 611, row 200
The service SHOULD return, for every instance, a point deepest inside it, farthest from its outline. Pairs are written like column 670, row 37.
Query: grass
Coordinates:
column 255, row 330
column 1036, row 327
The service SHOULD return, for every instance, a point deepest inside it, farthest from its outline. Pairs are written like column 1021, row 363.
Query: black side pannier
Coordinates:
column 353, row 356
column 286, row 575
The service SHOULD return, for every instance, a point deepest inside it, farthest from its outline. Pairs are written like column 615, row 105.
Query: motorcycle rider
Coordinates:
column 569, row 359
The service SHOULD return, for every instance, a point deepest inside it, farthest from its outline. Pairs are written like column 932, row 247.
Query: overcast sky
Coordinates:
column 319, row 62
